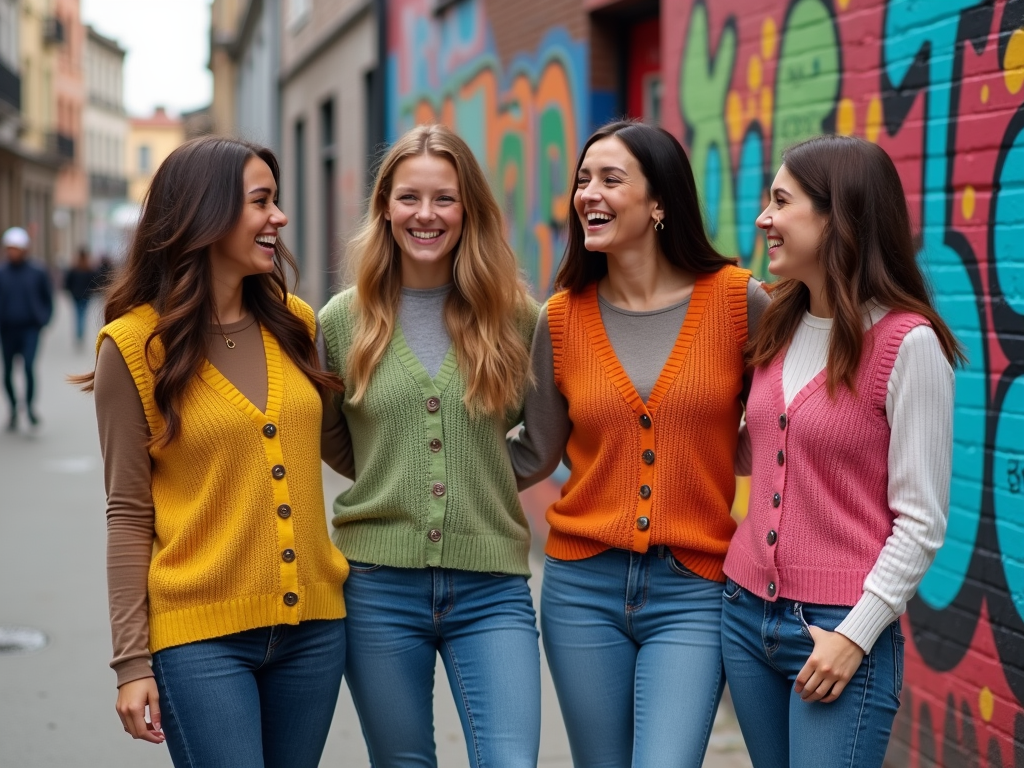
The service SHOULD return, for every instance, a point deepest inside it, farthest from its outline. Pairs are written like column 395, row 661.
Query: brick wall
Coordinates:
column 939, row 85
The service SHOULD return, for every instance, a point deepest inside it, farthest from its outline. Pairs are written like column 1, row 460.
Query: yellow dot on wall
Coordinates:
column 844, row 4
column 734, row 116
column 967, row 206
column 986, row 703
column 873, row 120
column 846, row 118
column 984, row 94
column 754, row 73
column 1013, row 62
column 766, row 108
column 769, row 38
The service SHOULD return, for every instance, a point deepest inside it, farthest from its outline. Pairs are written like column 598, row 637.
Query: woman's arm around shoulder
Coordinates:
column 538, row 446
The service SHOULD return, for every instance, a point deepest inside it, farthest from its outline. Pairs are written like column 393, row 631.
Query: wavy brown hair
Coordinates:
column 683, row 241
column 867, row 251
column 485, row 312
column 194, row 200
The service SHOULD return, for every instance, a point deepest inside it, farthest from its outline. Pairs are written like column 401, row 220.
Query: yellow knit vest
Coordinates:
column 239, row 543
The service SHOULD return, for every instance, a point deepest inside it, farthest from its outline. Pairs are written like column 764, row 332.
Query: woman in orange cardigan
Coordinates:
column 640, row 383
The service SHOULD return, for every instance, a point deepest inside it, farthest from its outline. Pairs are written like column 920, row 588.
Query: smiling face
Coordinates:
column 794, row 231
column 612, row 203
column 425, row 210
column 248, row 249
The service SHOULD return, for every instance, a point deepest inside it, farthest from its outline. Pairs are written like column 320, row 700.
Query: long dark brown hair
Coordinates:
column 867, row 251
column 683, row 241
column 194, row 200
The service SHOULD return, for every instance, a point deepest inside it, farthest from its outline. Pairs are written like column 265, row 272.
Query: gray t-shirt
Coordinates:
column 642, row 341
column 421, row 316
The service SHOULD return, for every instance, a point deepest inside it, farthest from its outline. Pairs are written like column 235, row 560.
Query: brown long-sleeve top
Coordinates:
column 127, row 474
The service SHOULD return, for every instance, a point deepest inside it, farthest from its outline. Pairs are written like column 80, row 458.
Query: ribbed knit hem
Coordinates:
column 867, row 620
column 820, row 585
column 704, row 564
column 564, row 546
column 371, row 542
column 316, row 601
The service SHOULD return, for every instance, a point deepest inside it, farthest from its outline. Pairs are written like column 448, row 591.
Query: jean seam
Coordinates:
column 768, row 654
column 465, row 702
column 440, row 615
column 271, row 647
column 167, row 701
column 710, row 720
column 868, row 679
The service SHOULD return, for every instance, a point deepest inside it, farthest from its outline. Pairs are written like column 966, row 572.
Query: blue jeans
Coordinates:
column 765, row 645
column 263, row 697
column 634, row 646
column 81, row 310
column 23, row 342
column 485, row 629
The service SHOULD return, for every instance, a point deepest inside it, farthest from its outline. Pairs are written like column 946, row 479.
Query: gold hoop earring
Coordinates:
column 659, row 225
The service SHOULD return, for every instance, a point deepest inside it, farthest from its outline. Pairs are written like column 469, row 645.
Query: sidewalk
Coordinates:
column 57, row 704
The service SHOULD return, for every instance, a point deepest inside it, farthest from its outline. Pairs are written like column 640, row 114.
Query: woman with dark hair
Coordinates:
column 209, row 401
column 640, row 383
column 850, row 422
column 433, row 342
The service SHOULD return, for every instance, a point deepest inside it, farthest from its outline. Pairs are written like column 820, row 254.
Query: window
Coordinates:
column 144, row 159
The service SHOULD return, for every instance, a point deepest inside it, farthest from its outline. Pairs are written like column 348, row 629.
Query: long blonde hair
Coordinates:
column 486, row 310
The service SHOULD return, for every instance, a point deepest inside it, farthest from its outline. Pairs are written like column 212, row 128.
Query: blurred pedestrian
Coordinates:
column 850, row 419
column 26, row 305
column 208, row 397
column 639, row 370
column 433, row 344
column 80, row 282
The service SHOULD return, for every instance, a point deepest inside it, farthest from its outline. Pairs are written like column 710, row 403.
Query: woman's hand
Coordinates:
column 834, row 660
column 132, row 699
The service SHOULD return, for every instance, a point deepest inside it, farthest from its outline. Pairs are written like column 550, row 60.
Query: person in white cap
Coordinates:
column 26, row 304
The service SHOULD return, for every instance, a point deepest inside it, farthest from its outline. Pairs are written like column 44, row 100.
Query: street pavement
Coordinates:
column 57, row 703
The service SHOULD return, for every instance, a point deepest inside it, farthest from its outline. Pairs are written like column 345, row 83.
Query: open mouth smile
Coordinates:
column 774, row 243
column 267, row 242
column 598, row 219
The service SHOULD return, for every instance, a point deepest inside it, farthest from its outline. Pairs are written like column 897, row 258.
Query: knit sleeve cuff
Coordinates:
column 132, row 669
column 866, row 621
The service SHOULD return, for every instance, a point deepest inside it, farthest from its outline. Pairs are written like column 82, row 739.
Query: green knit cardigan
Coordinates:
column 433, row 486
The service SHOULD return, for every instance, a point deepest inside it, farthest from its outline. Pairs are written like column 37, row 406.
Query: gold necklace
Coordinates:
column 227, row 340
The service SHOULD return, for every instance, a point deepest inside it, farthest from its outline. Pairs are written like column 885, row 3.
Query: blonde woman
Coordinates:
column 433, row 344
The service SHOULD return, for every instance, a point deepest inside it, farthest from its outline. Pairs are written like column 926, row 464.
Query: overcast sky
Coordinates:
column 168, row 44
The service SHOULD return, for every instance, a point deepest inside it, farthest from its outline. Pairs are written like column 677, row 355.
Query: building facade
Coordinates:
column 10, row 113
column 150, row 140
column 71, row 193
column 940, row 86
column 106, row 137
column 329, row 56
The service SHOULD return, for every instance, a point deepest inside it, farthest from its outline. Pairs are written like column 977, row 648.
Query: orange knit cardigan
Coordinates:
column 660, row 472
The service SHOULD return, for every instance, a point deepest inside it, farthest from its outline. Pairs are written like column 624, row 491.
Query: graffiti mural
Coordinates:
column 940, row 86
column 524, row 119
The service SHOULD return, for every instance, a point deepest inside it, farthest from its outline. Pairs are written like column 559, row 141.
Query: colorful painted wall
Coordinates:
column 940, row 85
column 525, row 118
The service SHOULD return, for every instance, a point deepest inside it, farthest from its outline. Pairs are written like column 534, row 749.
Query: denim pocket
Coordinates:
column 805, row 628
column 679, row 569
column 357, row 567
column 898, row 643
column 732, row 591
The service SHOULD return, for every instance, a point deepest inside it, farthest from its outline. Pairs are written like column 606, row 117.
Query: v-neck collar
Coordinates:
column 812, row 386
column 590, row 313
column 416, row 369
column 275, row 383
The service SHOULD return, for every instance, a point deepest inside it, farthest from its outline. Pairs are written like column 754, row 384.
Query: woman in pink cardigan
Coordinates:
column 850, row 422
